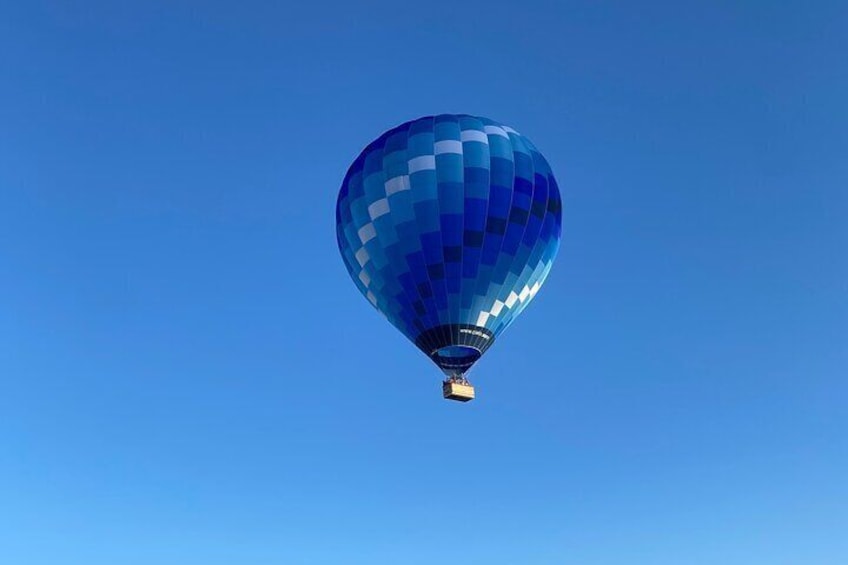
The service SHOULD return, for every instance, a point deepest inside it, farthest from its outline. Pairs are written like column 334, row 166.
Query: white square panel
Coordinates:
column 422, row 163
column 367, row 233
column 494, row 130
column 378, row 208
column 397, row 184
column 474, row 135
column 362, row 256
column 365, row 278
column 448, row 146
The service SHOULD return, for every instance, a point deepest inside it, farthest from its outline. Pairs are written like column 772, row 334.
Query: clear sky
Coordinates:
column 188, row 376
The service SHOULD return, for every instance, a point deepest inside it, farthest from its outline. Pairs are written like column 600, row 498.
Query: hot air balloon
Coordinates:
column 448, row 225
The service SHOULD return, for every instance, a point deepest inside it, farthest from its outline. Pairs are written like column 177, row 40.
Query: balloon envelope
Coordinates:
column 448, row 225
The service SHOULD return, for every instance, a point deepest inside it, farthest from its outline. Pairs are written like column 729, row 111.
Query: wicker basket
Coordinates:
column 458, row 391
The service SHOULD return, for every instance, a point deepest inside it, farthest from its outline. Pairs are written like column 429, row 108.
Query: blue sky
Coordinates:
column 189, row 376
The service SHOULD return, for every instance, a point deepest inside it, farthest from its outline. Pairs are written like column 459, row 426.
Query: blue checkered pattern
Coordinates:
column 448, row 225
